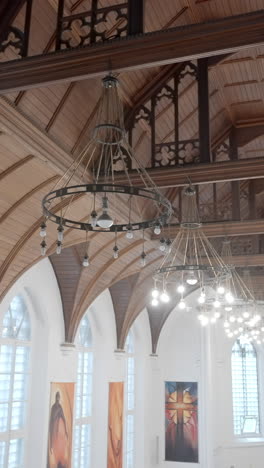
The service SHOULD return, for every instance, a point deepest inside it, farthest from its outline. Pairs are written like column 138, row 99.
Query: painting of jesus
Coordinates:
column 60, row 425
column 181, row 441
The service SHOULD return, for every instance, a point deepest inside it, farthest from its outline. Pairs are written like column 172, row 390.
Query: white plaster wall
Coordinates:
column 185, row 353
column 53, row 362
column 178, row 359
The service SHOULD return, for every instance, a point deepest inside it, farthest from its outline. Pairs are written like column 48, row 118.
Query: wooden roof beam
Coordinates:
column 203, row 173
column 222, row 229
column 225, row 35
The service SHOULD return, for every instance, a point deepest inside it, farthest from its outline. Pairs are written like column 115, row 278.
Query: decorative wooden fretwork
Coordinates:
column 187, row 153
column 221, row 149
column 17, row 39
column 172, row 150
column 89, row 27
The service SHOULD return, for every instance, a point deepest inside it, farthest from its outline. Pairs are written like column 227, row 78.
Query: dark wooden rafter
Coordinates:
column 152, row 49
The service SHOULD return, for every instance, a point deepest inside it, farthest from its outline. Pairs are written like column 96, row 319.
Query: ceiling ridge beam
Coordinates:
column 220, row 36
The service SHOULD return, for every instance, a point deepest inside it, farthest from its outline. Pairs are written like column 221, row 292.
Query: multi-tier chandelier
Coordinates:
column 109, row 206
column 192, row 263
column 244, row 317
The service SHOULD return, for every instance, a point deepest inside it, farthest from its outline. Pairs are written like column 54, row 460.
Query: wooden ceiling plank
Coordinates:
column 16, row 166
column 26, row 197
column 152, row 49
column 60, row 106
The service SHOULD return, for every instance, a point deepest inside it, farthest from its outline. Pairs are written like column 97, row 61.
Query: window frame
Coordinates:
column 83, row 420
column 130, row 412
column 15, row 434
column 251, row 437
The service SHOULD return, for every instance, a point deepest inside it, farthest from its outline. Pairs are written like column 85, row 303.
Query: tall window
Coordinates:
column 245, row 389
column 83, row 399
column 129, row 458
column 14, row 382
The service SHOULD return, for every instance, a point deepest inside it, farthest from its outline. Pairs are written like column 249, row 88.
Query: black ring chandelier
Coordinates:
column 108, row 206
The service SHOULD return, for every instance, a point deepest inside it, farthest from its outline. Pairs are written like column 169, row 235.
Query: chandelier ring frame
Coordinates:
column 73, row 190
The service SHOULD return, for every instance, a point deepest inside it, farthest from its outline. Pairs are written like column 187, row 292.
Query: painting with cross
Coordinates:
column 181, row 422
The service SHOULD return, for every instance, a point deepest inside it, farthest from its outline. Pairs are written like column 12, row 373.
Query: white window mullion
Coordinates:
column 82, row 433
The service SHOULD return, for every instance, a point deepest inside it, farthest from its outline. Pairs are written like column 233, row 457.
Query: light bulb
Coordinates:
column 201, row 299
column 246, row 315
column 43, row 230
column 229, row 298
column 217, row 304
column 93, row 219
column 236, row 332
column 155, row 293
column 60, row 233
column 213, row 320
column 143, row 259
column 157, row 229
column 226, row 324
column 105, row 221
column 58, row 248
column 232, row 319
column 230, row 335
column 228, row 309
column 221, row 290
column 162, row 245
column 258, row 342
column 257, row 318
column 191, row 279
column 182, row 304
column 164, row 297
column 115, row 252
column 217, row 315
column 262, row 329
column 43, row 248
column 240, row 319
column 154, row 302
column 205, row 321
column 85, row 261
column 168, row 246
column 180, row 289
column 201, row 317
column 129, row 233
column 240, row 329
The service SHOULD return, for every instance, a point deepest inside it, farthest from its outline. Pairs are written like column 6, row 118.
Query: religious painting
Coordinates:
column 181, row 422
column 115, row 425
column 60, row 425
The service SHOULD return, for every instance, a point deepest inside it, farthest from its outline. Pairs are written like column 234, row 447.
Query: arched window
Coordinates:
column 83, row 397
column 14, row 382
column 129, row 456
column 245, row 389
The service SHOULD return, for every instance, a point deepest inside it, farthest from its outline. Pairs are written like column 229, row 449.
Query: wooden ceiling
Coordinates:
column 43, row 128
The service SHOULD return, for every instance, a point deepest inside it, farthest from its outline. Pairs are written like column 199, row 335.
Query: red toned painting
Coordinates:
column 60, row 425
column 181, row 422
column 115, row 425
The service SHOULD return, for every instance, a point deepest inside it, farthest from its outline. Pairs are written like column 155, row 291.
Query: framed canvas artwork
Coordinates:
column 115, row 425
column 181, row 422
column 60, row 425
